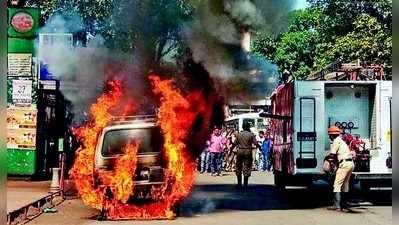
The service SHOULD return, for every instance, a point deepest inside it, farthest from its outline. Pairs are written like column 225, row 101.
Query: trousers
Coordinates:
column 244, row 162
column 342, row 176
column 216, row 165
column 205, row 155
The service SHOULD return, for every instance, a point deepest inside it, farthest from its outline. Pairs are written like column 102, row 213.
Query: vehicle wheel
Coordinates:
column 279, row 180
column 365, row 187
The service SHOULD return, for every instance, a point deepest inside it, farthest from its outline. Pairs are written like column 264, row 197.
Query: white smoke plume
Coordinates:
column 82, row 71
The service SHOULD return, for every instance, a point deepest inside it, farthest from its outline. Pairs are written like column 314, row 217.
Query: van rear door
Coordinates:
column 308, row 125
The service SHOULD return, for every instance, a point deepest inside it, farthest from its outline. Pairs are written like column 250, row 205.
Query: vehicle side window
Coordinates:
column 250, row 121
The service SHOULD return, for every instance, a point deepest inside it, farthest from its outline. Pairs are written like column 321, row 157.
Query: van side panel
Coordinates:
column 379, row 156
column 282, row 129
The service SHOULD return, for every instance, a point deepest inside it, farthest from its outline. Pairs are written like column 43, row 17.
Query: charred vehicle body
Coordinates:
column 150, row 164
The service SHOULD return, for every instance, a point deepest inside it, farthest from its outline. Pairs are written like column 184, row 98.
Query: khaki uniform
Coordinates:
column 244, row 140
column 346, row 166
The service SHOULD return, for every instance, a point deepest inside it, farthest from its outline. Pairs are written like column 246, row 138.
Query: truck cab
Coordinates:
column 120, row 132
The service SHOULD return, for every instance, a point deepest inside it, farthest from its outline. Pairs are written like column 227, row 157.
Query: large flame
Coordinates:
column 175, row 117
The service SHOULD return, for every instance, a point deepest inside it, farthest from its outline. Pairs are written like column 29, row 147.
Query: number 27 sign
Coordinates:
column 22, row 92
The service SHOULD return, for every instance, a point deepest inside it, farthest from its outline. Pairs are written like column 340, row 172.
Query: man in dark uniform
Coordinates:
column 245, row 141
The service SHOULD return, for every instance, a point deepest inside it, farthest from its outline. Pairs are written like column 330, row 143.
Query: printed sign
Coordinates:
column 19, row 64
column 22, row 22
column 306, row 136
column 21, row 139
column 21, row 117
column 22, row 92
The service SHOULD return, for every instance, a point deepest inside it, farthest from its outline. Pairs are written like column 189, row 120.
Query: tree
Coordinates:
column 365, row 42
column 329, row 30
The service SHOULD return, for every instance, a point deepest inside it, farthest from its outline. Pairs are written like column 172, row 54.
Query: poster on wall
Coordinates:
column 21, row 117
column 21, row 138
column 19, row 65
column 22, row 92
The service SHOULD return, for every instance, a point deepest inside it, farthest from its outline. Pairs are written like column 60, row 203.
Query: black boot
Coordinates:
column 337, row 202
column 239, row 182
column 245, row 189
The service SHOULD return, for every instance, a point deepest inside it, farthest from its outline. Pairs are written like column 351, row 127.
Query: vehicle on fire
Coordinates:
column 150, row 165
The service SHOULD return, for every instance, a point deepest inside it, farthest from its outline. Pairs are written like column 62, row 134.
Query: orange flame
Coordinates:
column 176, row 116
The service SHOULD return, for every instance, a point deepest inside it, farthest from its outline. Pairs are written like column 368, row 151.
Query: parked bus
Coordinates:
column 256, row 122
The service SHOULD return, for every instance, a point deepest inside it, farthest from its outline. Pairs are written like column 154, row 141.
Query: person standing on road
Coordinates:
column 217, row 145
column 265, row 151
column 341, row 151
column 245, row 140
column 260, row 138
column 204, row 159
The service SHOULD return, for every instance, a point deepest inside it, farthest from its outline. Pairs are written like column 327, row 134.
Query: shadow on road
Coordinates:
column 211, row 197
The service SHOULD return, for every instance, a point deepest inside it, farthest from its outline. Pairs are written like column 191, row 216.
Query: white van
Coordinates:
column 120, row 132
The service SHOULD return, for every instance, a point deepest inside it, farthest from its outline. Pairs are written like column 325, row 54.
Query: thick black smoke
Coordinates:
column 215, row 39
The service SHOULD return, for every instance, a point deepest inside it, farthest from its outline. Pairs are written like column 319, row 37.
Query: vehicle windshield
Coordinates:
column 250, row 121
column 114, row 140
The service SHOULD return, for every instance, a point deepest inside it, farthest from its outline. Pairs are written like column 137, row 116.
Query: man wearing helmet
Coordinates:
column 340, row 150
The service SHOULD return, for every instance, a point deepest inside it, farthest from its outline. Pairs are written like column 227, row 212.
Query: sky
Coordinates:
column 300, row 4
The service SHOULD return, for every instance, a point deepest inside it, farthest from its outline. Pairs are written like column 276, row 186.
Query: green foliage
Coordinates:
column 295, row 52
column 365, row 42
column 329, row 30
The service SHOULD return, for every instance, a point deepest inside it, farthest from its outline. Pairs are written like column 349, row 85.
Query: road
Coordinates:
column 214, row 201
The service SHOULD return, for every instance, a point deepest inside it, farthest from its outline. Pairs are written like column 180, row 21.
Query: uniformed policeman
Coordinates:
column 245, row 141
column 340, row 150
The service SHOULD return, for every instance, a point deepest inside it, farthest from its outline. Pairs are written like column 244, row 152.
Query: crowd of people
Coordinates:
column 220, row 153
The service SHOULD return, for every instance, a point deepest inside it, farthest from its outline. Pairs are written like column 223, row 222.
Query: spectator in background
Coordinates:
column 204, row 159
column 217, row 145
column 265, row 151
column 230, row 153
column 260, row 138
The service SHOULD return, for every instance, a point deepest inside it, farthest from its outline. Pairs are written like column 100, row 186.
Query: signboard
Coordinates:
column 48, row 85
column 21, row 117
column 22, row 22
column 19, row 64
column 306, row 136
column 22, row 92
column 21, row 138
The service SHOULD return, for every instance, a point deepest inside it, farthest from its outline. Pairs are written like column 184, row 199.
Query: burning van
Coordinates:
column 120, row 132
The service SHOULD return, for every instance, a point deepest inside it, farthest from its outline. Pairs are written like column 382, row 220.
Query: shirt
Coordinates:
column 340, row 148
column 217, row 143
column 260, row 140
column 266, row 145
column 245, row 139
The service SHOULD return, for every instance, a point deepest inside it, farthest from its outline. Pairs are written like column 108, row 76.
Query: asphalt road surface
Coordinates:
column 214, row 201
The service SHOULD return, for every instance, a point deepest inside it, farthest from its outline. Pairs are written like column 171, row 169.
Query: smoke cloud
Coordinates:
column 84, row 71
column 215, row 39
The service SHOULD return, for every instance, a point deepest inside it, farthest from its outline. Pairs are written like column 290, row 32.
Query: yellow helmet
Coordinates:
column 334, row 130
